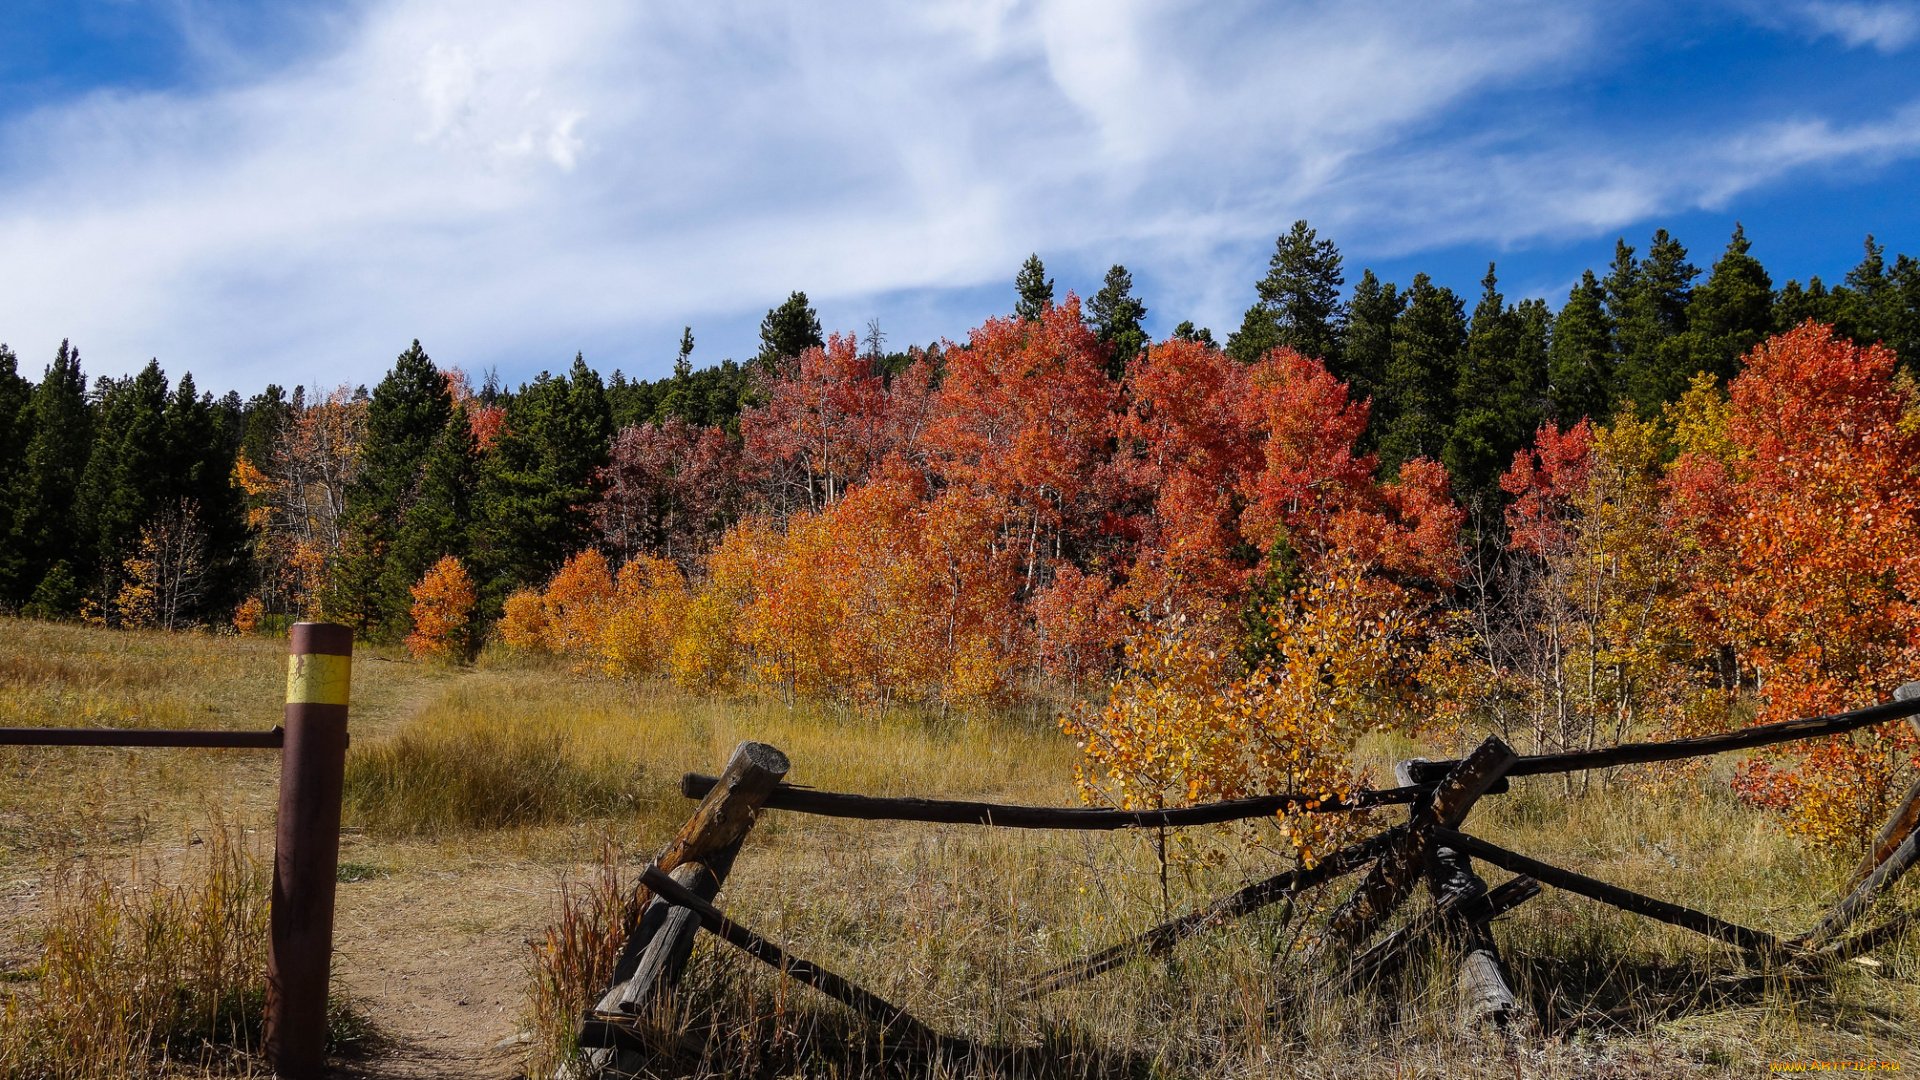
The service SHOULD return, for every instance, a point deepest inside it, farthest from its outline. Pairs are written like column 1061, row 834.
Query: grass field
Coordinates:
column 475, row 793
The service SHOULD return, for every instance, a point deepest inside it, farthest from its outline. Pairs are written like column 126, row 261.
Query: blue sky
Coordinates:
column 283, row 192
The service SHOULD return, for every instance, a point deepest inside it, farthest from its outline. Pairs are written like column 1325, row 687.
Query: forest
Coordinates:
column 1684, row 499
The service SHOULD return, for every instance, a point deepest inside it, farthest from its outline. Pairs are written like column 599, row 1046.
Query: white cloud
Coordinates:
column 1887, row 26
column 509, row 181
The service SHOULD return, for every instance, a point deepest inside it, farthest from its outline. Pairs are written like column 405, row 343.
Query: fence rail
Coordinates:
column 231, row 740
column 1440, row 795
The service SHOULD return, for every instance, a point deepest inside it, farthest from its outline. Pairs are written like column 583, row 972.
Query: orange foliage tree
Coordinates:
column 1803, row 520
column 443, row 602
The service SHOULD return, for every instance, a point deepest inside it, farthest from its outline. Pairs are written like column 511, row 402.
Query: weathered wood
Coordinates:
column 1626, row 900
column 890, row 1016
column 1905, row 817
column 701, row 853
column 1868, row 940
column 1842, row 914
column 1456, row 909
column 1899, row 825
column 1485, row 996
column 1007, row 816
column 1679, row 749
column 1388, row 882
column 1234, row 905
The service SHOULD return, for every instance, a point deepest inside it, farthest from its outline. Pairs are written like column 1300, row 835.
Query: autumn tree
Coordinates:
column 442, row 613
column 1804, row 515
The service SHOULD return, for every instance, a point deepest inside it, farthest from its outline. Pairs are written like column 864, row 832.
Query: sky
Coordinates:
column 292, row 192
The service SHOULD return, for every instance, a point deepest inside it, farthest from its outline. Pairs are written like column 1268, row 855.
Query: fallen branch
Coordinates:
column 1697, row 921
column 1235, row 905
column 961, row 812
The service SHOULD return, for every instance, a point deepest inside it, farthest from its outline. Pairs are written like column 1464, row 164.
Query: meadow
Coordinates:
column 480, row 796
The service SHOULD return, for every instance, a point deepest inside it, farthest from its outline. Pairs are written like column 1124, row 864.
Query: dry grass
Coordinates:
column 135, row 976
column 946, row 920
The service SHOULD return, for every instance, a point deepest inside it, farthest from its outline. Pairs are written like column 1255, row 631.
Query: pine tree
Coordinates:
column 788, row 330
column 531, row 508
column 679, row 398
column 1035, row 289
column 59, row 437
column 1795, row 305
column 1115, row 316
column 1417, row 396
column 1903, row 329
column 1502, row 383
column 1299, row 305
column 1581, row 358
column 1186, row 331
column 409, row 408
column 128, row 475
column 200, row 450
column 1368, row 354
column 267, row 416
column 1649, row 310
column 1732, row 312
column 15, row 392
column 437, row 519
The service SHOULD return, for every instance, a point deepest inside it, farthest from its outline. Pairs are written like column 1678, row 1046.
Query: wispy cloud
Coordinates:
column 1888, row 26
column 508, row 181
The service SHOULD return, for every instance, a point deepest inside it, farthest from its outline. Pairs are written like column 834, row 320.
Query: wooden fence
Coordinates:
column 674, row 897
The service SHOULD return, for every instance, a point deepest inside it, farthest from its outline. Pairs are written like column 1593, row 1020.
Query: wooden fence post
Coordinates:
column 661, row 935
column 306, row 851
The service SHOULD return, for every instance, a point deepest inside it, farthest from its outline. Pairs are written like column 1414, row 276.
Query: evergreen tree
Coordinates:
column 789, row 330
column 1903, row 329
column 1732, row 312
column 1368, row 354
column 1416, row 399
column 437, row 519
column 679, row 398
column 1501, row 391
column 1035, row 289
column 1115, row 315
column 15, row 393
column 530, row 510
column 59, row 436
column 267, row 415
column 1186, row 332
column 1649, row 311
column 1581, row 358
column 1299, row 305
column 128, row 475
column 1795, row 305
column 409, row 409
column 199, row 468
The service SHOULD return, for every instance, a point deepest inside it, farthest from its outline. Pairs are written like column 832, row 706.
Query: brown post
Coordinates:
column 306, row 855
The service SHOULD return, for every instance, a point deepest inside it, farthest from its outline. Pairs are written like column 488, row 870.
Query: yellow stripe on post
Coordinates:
column 319, row 679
